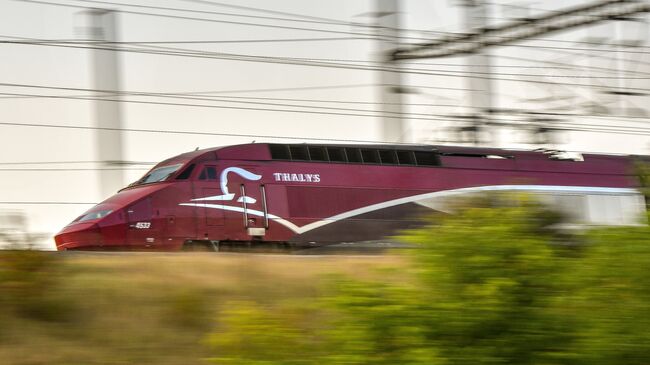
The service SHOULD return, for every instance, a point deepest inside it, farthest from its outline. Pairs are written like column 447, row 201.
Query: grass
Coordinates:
column 143, row 308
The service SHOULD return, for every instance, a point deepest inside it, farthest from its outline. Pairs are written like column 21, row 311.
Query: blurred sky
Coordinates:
column 441, row 97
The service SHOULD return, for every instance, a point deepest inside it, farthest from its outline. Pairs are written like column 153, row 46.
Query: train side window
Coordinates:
column 387, row 157
column 299, row 153
column 405, row 158
column 186, row 173
column 280, row 152
column 208, row 173
column 354, row 155
column 336, row 154
column 317, row 153
column 370, row 156
column 426, row 158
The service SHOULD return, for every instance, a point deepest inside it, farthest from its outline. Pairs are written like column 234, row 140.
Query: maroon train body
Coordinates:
column 304, row 195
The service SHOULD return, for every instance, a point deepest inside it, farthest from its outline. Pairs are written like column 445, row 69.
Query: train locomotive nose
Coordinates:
column 79, row 236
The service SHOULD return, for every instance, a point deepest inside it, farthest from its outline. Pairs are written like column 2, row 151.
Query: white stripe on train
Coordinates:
column 416, row 198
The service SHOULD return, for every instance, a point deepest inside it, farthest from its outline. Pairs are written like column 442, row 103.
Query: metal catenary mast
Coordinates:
column 479, row 38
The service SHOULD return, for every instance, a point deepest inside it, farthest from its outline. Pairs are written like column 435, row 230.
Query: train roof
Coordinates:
column 264, row 151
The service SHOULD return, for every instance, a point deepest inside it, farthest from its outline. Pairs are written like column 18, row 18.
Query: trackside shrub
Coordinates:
column 483, row 287
column 29, row 283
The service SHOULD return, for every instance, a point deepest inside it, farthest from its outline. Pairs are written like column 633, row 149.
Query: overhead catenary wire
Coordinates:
column 404, row 115
column 558, row 65
column 557, row 126
column 524, row 121
column 44, row 203
column 301, row 61
column 5, row 163
column 244, row 99
column 184, row 52
column 186, row 132
column 285, row 60
column 543, row 76
column 351, row 113
column 315, row 61
column 322, row 21
column 210, row 20
column 228, row 97
column 314, row 109
column 267, row 11
column 71, row 169
column 338, row 22
column 313, row 20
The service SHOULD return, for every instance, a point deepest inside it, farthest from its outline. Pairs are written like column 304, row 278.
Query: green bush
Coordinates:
column 29, row 283
column 612, row 304
column 486, row 285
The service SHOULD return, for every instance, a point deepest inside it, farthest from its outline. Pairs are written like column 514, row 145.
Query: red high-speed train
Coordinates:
column 297, row 195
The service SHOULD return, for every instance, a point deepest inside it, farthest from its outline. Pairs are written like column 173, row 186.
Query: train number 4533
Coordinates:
column 143, row 225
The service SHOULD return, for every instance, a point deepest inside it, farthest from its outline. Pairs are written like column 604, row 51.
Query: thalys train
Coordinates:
column 305, row 195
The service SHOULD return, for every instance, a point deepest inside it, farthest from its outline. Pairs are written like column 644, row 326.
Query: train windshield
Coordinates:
column 98, row 214
column 159, row 174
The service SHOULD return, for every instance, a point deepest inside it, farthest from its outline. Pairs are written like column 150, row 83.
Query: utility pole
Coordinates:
column 478, row 64
column 103, row 31
column 481, row 37
column 525, row 29
column 390, row 78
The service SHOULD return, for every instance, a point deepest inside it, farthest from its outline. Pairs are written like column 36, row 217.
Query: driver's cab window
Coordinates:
column 208, row 173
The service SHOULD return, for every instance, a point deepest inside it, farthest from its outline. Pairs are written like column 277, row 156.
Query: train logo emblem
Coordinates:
column 227, row 195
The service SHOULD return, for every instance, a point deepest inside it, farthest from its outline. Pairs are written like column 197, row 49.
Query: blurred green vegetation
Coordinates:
column 497, row 283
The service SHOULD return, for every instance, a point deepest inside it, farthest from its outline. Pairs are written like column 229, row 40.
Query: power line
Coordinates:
column 212, row 98
column 571, row 66
column 145, row 43
column 44, row 203
column 353, row 112
column 242, row 23
column 557, row 125
column 207, row 19
column 72, row 169
column 183, row 52
column 298, row 88
column 412, row 116
column 572, row 49
column 240, row 7
column 139, row 6
column 316, row 20
column 278, row 40
column 313, row 20
column 630, row 118
column 328, row 62
column 212, row 41
column 196, row 133
column 302, row 62
column 68, row 162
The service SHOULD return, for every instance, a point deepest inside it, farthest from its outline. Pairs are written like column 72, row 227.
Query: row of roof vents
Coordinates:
column 389, row 156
